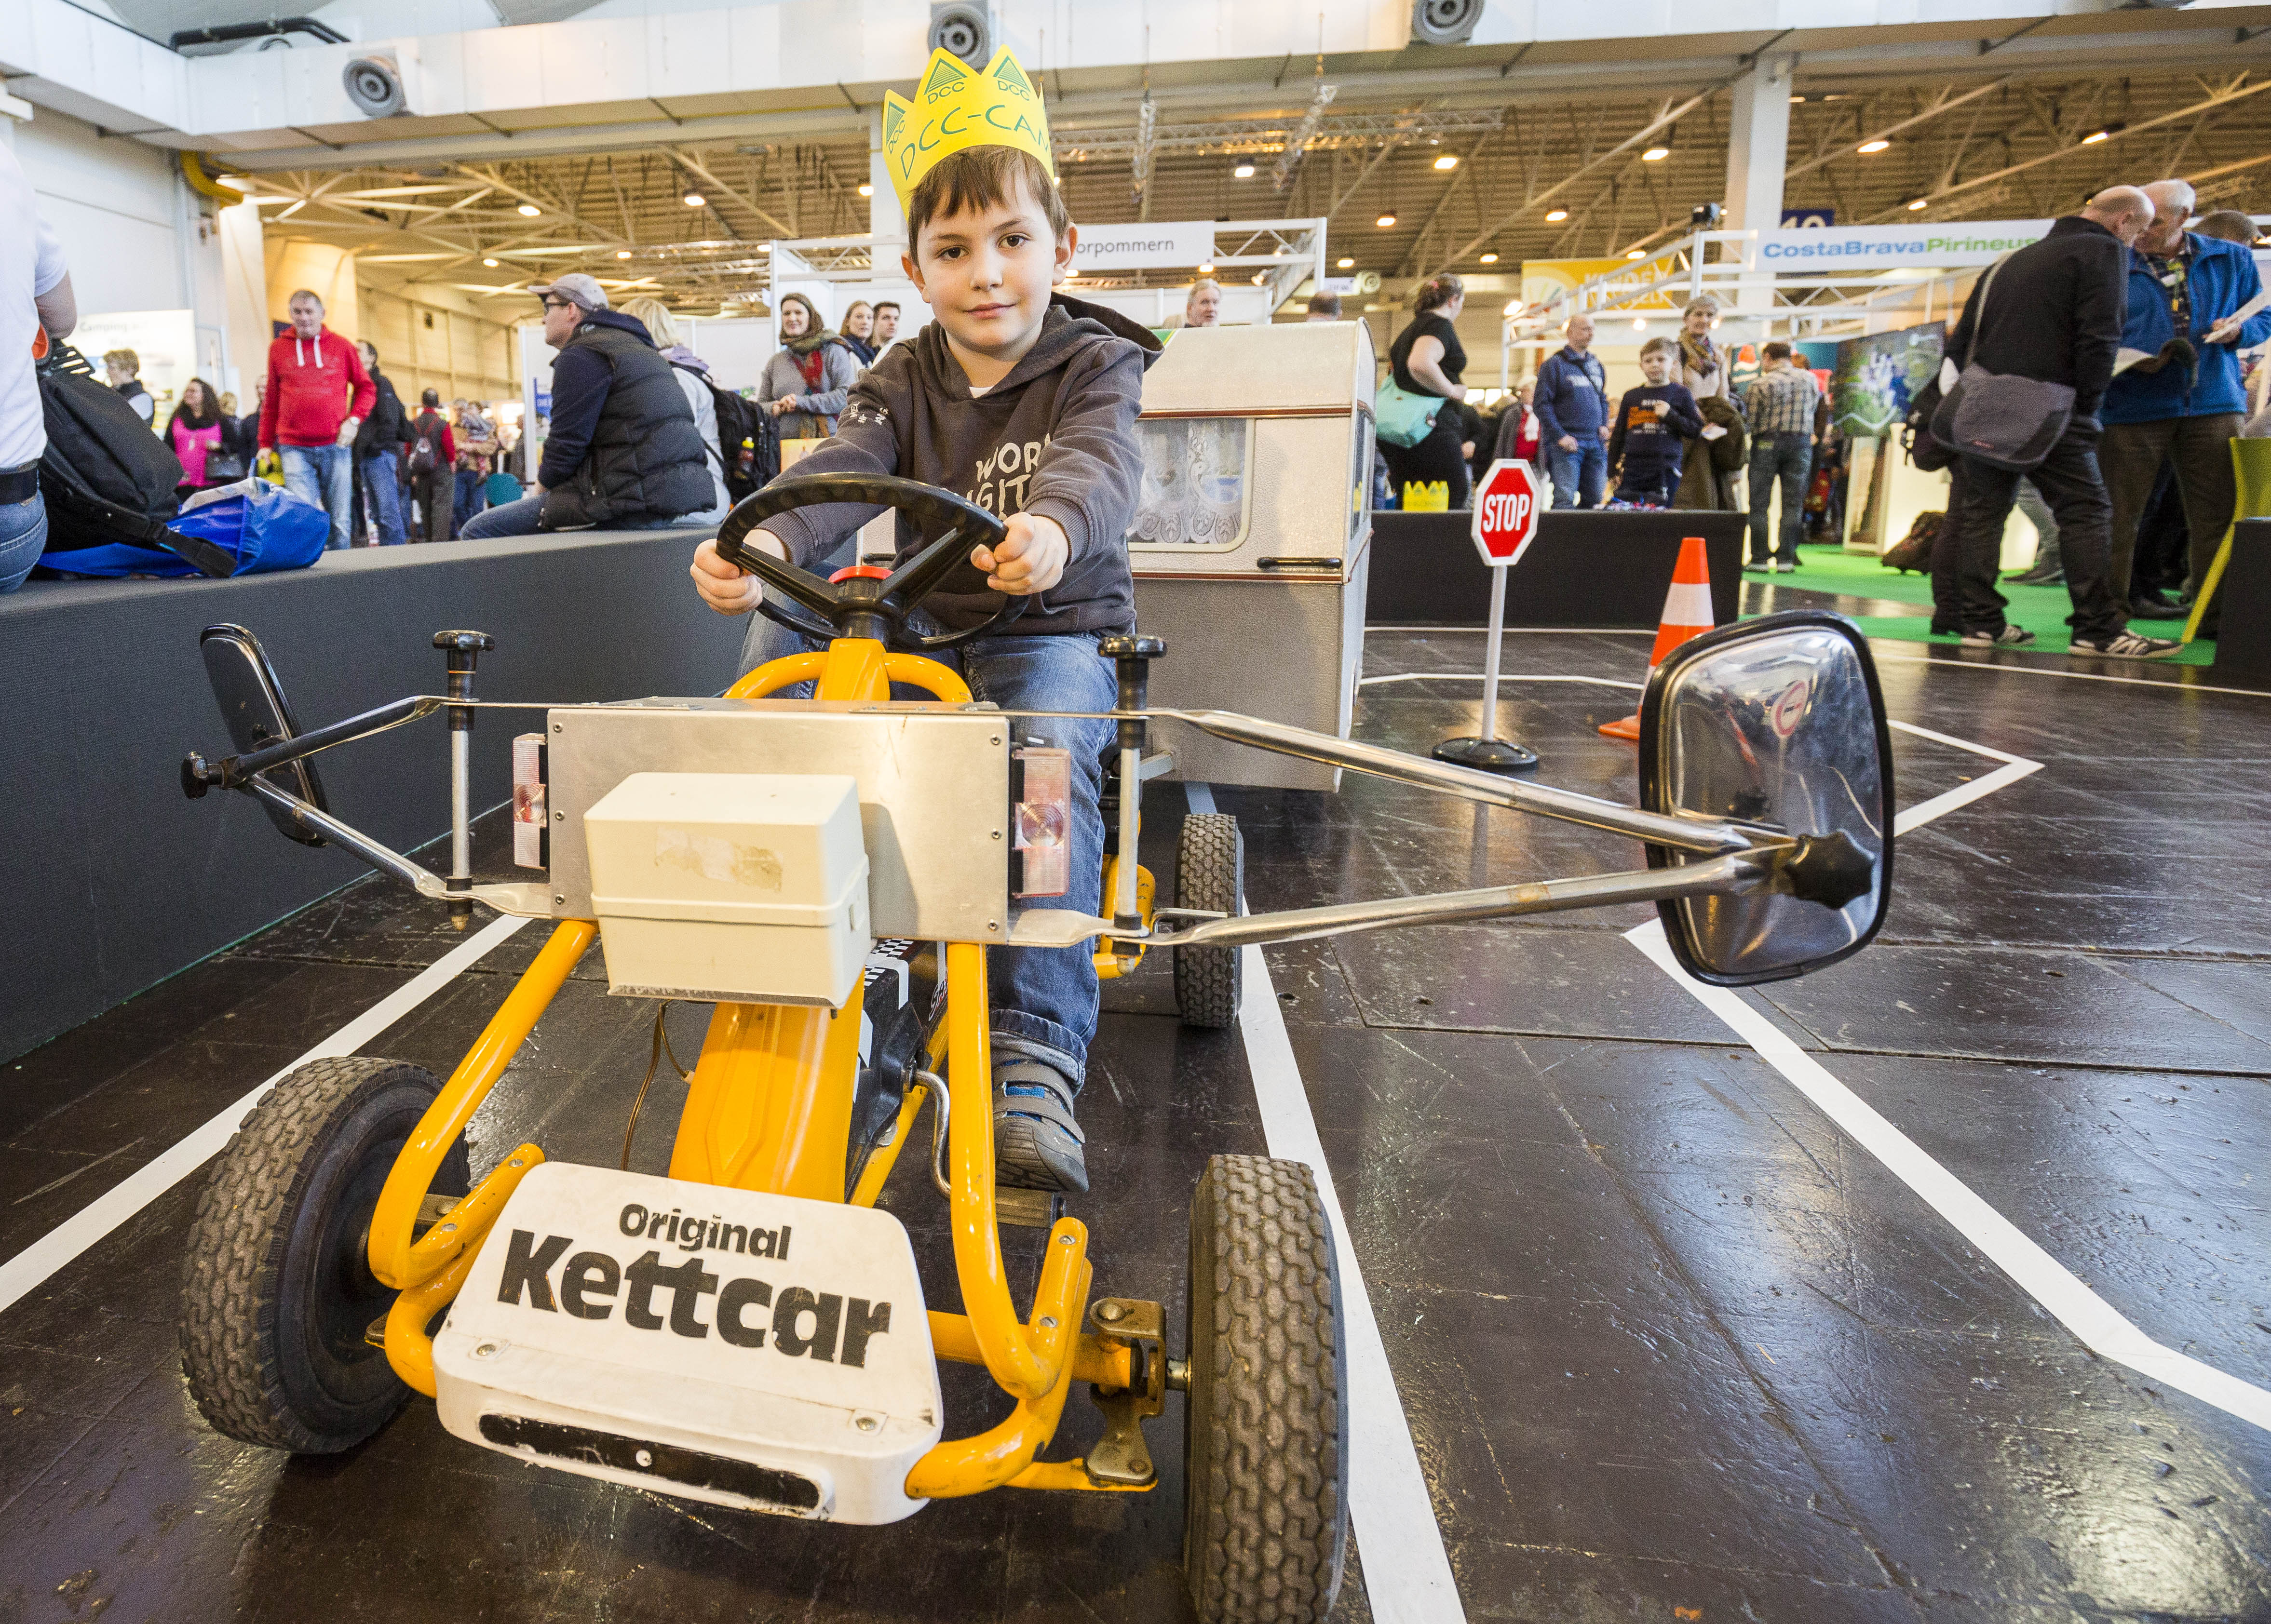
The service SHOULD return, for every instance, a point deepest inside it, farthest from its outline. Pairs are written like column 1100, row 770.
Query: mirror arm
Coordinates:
column 1704, row 836
column 233, row 772
column 1734, row 872
column 526, row 899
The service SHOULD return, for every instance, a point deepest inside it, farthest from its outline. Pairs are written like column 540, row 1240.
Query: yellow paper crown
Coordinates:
column 956, row 107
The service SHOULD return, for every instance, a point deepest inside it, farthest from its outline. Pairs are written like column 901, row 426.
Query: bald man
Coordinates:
column 2185, row 404
column 2051, row 311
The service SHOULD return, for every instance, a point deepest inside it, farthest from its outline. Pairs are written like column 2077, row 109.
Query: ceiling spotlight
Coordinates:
column 530, row 210
column 623, row 253
column 1207, row 270
column 491, row 263
column 2104, row 132
column 1385, row 222
column 1448, row 160
column 765, row 248
column 1655, row 155
column 694, row 200
column 1555, row 215
column 867, row 188
column 1243, row 172
column 1345, row 262
column 1875, row 144
column 1260, row 278
column 1490, row 259
column 1918, row 202
column 1635, row 252
column 1513, row 308
column 1640, row 323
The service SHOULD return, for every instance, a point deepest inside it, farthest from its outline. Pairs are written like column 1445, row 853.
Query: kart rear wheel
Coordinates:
column 1209, row 874
column 276, row 1290
column 1265, row 1454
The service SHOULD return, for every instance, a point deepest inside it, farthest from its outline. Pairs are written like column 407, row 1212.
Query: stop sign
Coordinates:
column 1506, row 512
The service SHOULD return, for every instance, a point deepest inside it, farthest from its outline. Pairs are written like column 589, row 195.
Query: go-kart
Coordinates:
column 751, row 1331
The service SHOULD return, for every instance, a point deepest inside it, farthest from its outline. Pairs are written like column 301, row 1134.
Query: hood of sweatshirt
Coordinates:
column 1069, row 326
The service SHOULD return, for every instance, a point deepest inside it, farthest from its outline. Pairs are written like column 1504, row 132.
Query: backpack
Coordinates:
column 249, row 528
column 106, row 478
column 748, row 439
column 425, row 443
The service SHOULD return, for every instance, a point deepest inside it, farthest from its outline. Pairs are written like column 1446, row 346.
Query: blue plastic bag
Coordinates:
column 267, row 528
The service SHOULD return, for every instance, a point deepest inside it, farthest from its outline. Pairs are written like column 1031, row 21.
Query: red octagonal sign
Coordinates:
column 1506, row 512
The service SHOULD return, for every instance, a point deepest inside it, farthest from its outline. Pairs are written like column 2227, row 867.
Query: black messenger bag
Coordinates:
column 2004, row 421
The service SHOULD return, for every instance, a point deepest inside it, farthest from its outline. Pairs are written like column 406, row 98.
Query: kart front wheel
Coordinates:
column 277, row 1291
column 1265, row 1456
column 1209, row 874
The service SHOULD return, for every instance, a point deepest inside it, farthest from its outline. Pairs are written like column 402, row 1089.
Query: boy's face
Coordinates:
column 1656, row 368
column 987, row 273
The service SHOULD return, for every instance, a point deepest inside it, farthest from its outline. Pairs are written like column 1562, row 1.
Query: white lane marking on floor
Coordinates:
column 2080, row 1309
column 2100, row 1326
column 1407, row 1575
column 2013, row 768
column 2002, row 669
column 30, row 1269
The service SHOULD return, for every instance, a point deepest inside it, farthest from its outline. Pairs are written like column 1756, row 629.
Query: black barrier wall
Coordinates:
column 2243, row 650
column 114, row 880
column 1605, row 569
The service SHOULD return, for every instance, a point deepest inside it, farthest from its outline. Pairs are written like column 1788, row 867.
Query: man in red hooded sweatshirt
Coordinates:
column 318, row 395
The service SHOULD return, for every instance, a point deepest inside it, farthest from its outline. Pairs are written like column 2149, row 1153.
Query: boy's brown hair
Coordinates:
column 984, row 177
column 1658, row 347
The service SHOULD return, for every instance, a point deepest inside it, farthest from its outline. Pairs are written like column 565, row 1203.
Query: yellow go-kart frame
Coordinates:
column 769, row 1110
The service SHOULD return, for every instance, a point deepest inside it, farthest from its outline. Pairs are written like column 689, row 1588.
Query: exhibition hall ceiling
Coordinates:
column 1455, row 178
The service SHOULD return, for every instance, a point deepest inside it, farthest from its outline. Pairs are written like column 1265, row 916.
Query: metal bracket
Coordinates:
column 1121, row 1457
column 1027, row 1209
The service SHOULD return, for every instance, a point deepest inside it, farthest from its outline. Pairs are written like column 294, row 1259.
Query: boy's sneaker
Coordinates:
column 2126, row 646
column 1037, row 1143
column 2009, row 636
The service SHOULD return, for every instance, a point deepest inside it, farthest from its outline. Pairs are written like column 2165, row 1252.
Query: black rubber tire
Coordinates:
column 1265, row 1452
column 276, row 1290
column 1209, row 873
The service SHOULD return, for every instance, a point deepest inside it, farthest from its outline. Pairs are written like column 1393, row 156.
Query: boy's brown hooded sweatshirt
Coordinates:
column 1054, row 438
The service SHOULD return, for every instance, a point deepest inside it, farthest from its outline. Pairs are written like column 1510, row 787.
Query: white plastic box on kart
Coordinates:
column 749, row 1350
column 728, row 887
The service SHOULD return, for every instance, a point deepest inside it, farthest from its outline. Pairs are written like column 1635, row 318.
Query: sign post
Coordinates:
column 1505, row 523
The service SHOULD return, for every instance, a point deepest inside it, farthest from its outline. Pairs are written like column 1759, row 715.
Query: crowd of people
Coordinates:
column 2133, row 308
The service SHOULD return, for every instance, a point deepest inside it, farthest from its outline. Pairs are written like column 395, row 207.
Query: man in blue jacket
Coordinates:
column 1572, row 403
column 2187, row 408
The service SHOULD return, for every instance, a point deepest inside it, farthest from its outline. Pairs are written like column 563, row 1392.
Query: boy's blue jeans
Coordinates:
column 1044, row 1000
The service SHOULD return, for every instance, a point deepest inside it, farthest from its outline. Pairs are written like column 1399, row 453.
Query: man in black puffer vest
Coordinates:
column 622, row 452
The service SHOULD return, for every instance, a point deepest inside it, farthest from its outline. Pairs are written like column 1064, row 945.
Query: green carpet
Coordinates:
column 2041, row 610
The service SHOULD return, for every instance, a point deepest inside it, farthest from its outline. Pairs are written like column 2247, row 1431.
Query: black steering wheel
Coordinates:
column 865, row 605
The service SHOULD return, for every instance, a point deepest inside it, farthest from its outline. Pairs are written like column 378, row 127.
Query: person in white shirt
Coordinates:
column 35, row 299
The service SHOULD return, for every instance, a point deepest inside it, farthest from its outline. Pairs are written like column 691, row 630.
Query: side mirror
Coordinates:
column 1777, row 722
column 251, row 702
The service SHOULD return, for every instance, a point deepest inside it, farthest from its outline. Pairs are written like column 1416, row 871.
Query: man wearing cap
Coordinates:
column 622, row 452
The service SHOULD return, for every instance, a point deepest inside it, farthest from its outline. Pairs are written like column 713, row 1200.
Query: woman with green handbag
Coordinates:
column 1418, row 437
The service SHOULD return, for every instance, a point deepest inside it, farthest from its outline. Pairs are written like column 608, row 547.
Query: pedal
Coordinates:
column 1121, row 1456
column 1028, row 1209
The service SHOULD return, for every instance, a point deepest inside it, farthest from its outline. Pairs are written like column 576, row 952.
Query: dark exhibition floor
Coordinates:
column 1936, row 1287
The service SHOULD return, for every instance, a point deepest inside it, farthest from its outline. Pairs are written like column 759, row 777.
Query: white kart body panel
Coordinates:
column 776, row 1356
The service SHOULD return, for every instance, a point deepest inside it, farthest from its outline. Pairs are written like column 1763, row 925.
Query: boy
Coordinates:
column 1024, row 401
column 1651, row 422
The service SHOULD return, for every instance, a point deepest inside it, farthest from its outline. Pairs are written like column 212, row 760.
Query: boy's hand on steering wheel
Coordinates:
column 1031, row 558
column 722, row 585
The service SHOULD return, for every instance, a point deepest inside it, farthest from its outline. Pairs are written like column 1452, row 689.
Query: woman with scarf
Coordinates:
column 1706, row 480
column 806, row 381
column 859, row 334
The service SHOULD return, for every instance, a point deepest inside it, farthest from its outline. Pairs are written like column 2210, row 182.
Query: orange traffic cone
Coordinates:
column 1686, row 612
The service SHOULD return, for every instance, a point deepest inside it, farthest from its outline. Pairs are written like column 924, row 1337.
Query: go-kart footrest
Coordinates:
column 1028, row 1209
